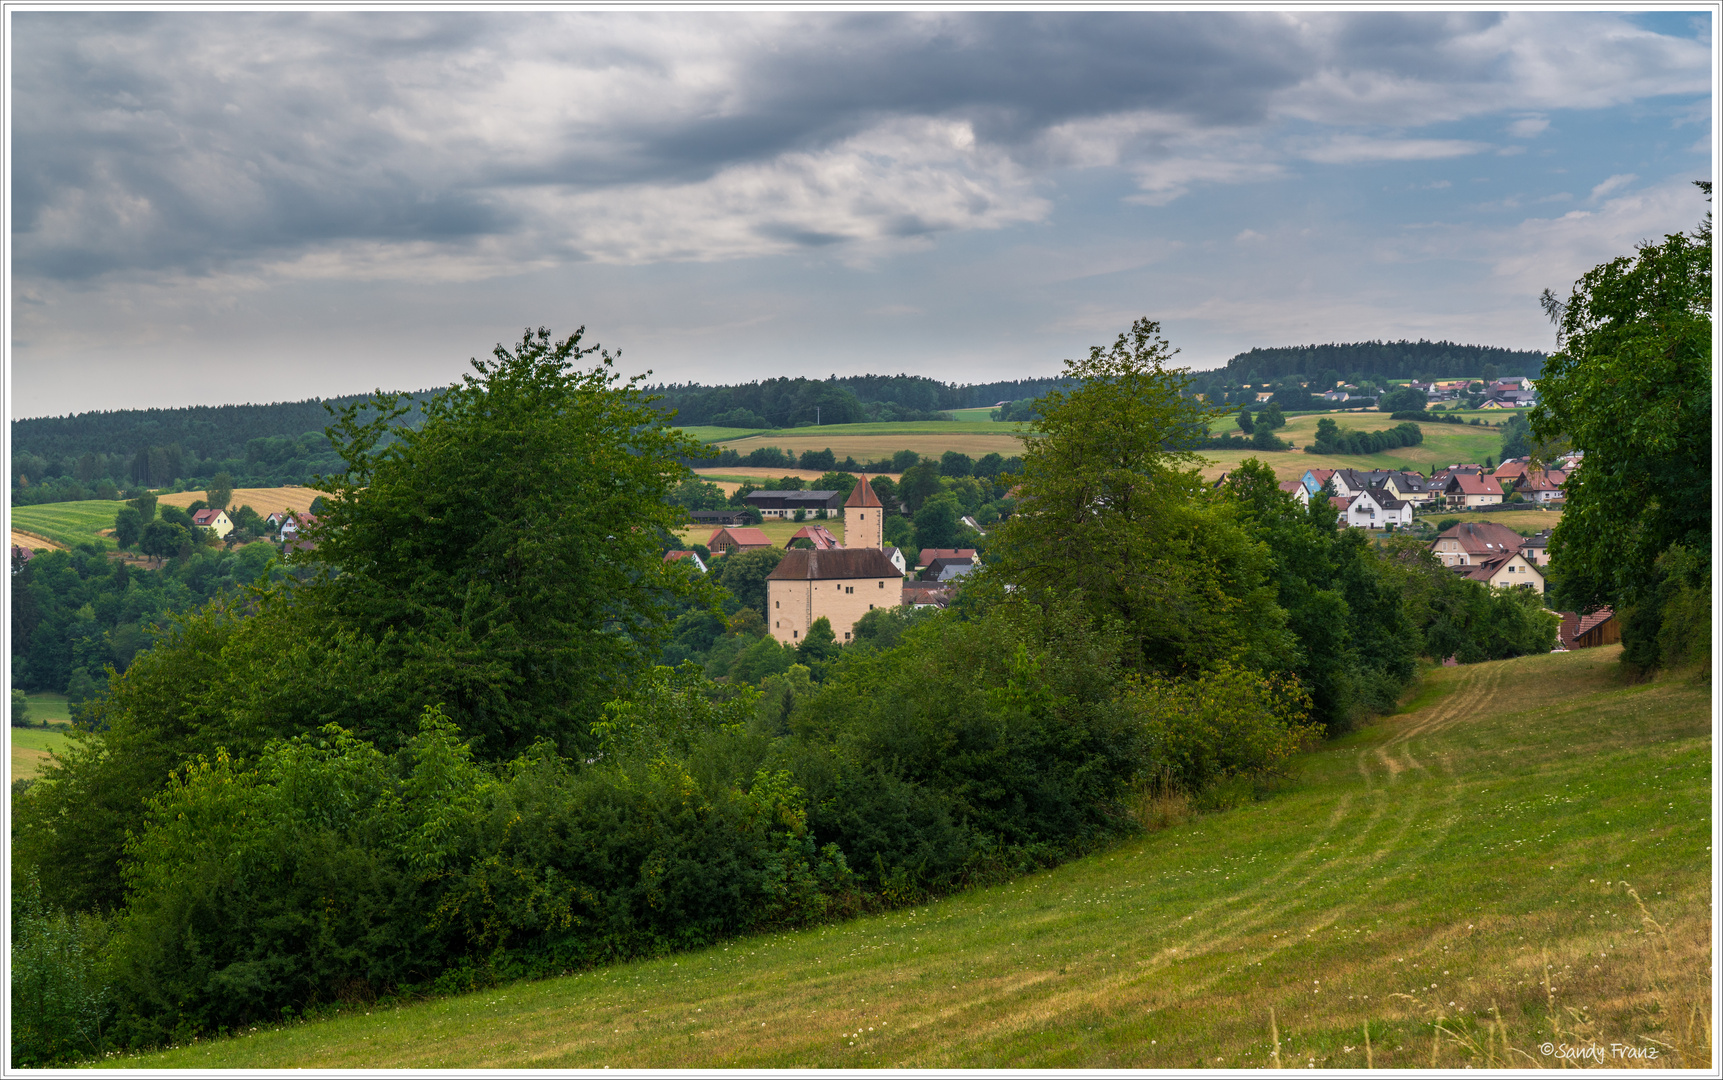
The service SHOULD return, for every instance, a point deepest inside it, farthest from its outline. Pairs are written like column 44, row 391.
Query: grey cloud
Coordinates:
column 192, row 141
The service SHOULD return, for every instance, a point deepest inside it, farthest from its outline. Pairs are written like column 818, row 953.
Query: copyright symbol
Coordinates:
column 1547, row 1049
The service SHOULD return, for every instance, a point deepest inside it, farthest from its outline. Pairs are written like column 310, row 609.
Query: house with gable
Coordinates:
column 1508, row 570
column 214, row 520
column 783, row 505
column 733, row 541
column 1374, row 508
column 686, row 556
column 1297, row 490
column 1472, row 542
column 1467, row 489
column 1542, row 486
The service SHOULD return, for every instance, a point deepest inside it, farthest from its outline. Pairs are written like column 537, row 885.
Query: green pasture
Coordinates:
column 31, row 746
column 69, row 523
column 1451, row 887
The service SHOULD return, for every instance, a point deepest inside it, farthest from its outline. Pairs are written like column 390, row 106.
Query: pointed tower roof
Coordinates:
column 862, row 495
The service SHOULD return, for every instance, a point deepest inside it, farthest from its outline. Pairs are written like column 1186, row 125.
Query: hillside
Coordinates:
column 1463, row 863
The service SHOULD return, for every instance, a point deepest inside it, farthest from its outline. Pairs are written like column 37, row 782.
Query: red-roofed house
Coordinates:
column 925, row 559
column 816, row 535
column 214, row 520
column 1297, row 490
column 1542, row 486
column 1509, row 570
column 1471, row 489
column 732, row 540
column 680, row 556
column 1474, row 541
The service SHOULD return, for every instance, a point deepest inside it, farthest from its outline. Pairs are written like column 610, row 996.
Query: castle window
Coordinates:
column 882, row 584
column 795, row 633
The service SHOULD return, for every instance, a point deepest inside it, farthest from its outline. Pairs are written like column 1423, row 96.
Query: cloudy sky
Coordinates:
column 227, row 207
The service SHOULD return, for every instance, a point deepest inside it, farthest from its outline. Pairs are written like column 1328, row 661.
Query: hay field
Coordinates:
column 1449, row 888
column 265, row 501
column 34, row 542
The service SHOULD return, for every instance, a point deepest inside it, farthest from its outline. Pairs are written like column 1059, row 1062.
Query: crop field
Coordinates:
column 265, row 501
column 69, row 523
column 736, row 474
column 927, row 439
column 778, row 531
column 34, row 542
column 1519, row 858
column 31, row 746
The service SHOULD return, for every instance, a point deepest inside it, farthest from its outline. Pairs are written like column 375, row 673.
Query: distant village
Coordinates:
column 841, row 581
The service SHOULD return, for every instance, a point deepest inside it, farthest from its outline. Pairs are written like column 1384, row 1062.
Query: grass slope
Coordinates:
column 31, row 746
column 1444, row 444
column 1430, row 869
column 69, row 523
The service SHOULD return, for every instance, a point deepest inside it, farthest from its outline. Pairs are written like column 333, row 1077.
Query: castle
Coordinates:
column 840, row 584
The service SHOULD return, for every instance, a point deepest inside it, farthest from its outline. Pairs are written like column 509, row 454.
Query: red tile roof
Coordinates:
column 745, row 538
column 1473, row 484
column 862, row 495
column 821, row 538
column 929, row 554
column 205, row 516
column 1483, row 538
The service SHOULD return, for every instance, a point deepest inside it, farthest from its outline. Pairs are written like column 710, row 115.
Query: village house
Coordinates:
column 688, row 556
column 290, row 528
column 928, row 555
column 1297, row 490
column 1536, row 549
column 1508, row 473
column 1467, row 489
column 735, row 541
column 1541, row 486
column 1315, row 478
column 1509, row 570
column 1472, row 542
column 783, row 505
column 1374, row 508
column 214, row 520
column 817, row 536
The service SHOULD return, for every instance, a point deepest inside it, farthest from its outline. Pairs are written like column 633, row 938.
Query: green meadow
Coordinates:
column 69, row 523
column 31, row 746
column 1519, row 857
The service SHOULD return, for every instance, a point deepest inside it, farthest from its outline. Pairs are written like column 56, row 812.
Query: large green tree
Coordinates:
column 1112, row 509
column 506, row 551
column 1631, row 387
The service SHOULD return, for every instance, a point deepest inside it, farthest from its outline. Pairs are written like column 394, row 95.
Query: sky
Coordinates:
column 216, row 207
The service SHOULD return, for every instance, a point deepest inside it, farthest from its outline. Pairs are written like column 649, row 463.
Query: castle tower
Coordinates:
column 864, row 517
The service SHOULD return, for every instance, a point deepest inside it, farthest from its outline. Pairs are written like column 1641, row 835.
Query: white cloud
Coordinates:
column 1528, row 127
column 1614, row 183
column 1357, row 149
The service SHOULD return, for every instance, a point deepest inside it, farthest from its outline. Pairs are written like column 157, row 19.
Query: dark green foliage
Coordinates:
column 1378, row 359
column 220, row 491
column 1631, row 386
column 822, row 460
column 1331, row 438
column 1271, row 416
column 1669, row 624
column 59, row 1004
column 952, row 463
column 1265, row 439
column 937, row 525
column 20, row 709
column 697, row 494
column 1516, row 437
column 1404, row 399
column 504, row 555
column 744, row 575
column 1245, row 423
column 918, row 483
column 128, row 527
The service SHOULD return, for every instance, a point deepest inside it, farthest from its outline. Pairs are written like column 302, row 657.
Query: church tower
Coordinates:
column 864, row 518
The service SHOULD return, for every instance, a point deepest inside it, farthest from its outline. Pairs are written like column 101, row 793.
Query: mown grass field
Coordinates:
column 31, row 746
column 1467, row 860
column 1535, row 520
column 1444, row 444
column 778, row 531
column 70, row 523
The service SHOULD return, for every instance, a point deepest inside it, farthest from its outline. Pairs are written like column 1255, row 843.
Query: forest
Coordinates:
column 1375, row 360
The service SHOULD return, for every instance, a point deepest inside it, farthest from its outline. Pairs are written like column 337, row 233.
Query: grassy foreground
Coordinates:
column 1453, row 882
